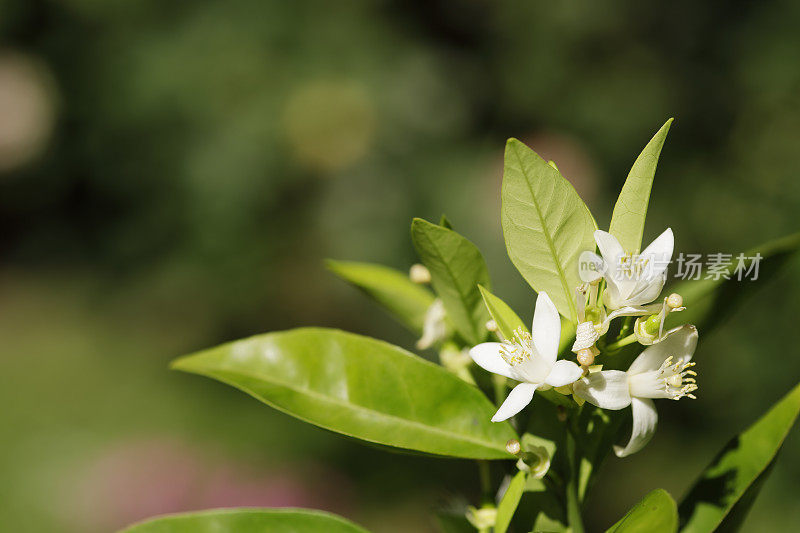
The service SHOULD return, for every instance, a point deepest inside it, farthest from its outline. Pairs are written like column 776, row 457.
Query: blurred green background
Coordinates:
column 172, row 175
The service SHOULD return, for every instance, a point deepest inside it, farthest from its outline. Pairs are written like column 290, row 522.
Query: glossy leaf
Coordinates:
column 506, row 319
column 656, row 513
column 627, row 220
column 457, row 268
column 360, row 387
column 709, row 302
column 392, row 289
column 545, row 224
column 508, row 504
column 243, row 520
column 722, row 495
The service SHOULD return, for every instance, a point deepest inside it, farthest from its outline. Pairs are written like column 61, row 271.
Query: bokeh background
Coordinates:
column 172, row 175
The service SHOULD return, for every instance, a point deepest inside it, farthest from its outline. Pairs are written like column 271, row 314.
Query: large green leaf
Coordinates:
column 656, row 513
column 360, row 387
column 248, row 521
column 546, row 225
column 457, row 267
column 627, row 220
column 392, row 289
column 709, row 301
column 721, row 497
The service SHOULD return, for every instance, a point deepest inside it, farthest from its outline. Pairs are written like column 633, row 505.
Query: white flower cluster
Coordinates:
column 616, row 284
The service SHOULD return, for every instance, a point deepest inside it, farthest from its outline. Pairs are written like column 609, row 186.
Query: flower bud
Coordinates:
column 482, row 519
column 535, row 460
column 586, row 357
column 513, row 447
column 491, row 325
column 674, row 300
column 419, row 274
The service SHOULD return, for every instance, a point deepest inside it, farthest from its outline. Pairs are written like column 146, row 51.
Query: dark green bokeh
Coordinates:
column 206, row 156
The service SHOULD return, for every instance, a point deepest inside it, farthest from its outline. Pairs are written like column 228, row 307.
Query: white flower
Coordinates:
column 660, row 371
column 434, row 327
column 631, row 280
column 529, row 358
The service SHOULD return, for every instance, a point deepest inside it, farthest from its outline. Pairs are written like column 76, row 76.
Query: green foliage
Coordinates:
column 627, row 220
column 360, row 387
column 506, row 319
column 248, row 521
column 457, row 268
column 546, row 225
column 656, row 513
column 721, row 497
column 405, row 300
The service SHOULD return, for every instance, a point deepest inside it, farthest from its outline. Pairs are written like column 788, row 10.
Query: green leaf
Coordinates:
column 546, row 225
column 445, row 222
column 508, row 505
column 248, row 521
column 627, row 220
column 709, row 302
column 457, row 267
column 360, row 387
column 506, row 319
column 392, row 289
column 656, row 513
column 721, row 497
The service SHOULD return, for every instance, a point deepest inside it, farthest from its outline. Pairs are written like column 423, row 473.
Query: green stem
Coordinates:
column 573, row 499
column 613, row 347
column 485, row 475
column 499, row 383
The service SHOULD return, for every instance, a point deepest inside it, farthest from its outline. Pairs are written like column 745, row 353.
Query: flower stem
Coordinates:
column 486, row 481
column 573, row 500
column 613, row 347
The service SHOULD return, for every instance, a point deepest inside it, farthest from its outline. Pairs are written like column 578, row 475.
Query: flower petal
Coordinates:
column 546, row 328
column 618, row 285
column 645, row 419
column 590, row 266
column 607, row 389
column 609, row 246
column 563, row 373
column 518, row 398
column 487, row 356
column 660, row 252
column 651, row 280
column 679, row 344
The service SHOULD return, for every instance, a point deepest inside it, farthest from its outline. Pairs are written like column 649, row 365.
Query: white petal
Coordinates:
column 645, row 419
column 546, row 328
column 590, row 266
column 609, row 246
column 651, row 280
column 563, row 373
column 620, row 285
column 518, row 398
column 487, row 356
column 646, row 290
column 612, row 296
column 660, row 252
column 607, row 389
column 679, row 344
